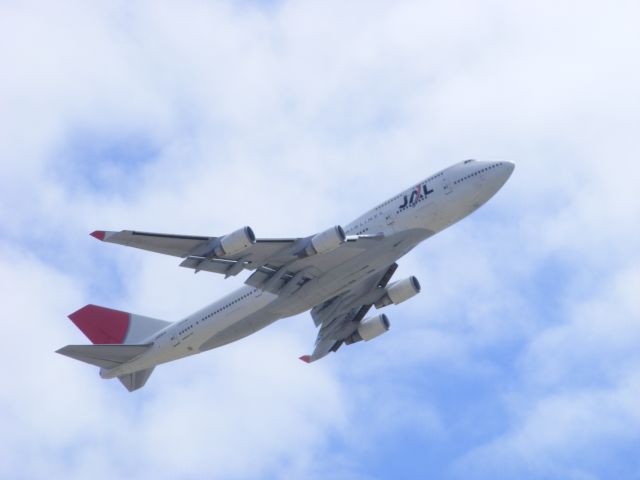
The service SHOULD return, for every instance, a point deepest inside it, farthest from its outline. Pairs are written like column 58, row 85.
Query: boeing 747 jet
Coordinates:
column 338, row 274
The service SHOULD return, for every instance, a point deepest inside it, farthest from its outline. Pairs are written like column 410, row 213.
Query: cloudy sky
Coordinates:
column 520, row 357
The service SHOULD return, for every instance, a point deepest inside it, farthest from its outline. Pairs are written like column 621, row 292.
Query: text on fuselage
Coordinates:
column 418, row 194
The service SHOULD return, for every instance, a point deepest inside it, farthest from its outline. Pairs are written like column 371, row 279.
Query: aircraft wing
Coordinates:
column 340, row 316
column 280, row 265
column 199, row 251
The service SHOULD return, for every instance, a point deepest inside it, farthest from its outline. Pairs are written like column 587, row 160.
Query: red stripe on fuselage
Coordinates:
column 101, row 325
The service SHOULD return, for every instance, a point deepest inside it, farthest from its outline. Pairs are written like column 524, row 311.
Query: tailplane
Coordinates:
column 104, row 356
column 117, row 337
column 110, row 356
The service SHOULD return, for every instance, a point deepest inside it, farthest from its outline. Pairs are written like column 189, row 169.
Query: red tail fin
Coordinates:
column 105, row 325
column 102, row 325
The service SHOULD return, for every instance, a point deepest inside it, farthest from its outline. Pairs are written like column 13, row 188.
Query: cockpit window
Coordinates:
column 469, row 161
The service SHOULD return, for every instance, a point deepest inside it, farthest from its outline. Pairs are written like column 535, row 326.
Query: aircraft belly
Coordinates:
column 341, row 278
column 149, row 359
column 240, row 329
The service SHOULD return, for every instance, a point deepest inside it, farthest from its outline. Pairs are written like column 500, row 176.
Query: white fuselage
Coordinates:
column 404, row 220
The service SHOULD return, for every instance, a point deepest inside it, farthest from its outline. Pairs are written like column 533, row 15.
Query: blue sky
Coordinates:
column 518, row 359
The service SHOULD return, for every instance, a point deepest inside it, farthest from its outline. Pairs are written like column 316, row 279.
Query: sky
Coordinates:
column 519, row 359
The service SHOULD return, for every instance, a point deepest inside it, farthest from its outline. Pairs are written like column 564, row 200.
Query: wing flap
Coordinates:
column 214, row 265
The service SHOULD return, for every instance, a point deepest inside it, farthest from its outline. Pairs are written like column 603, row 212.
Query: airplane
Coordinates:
column 338, row 274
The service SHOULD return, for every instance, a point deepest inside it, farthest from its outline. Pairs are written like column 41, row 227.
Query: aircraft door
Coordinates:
column 390, row 219
column 446, row 185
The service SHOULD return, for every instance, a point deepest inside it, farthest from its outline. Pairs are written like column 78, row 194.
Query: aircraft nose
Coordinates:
column 510, row 166
column 500, row 173
column 505, row 170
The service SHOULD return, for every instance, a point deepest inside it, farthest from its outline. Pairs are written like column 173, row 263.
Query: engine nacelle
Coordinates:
column 235, row 242
column 370, row 328
column 326, row 241
column 399, row 291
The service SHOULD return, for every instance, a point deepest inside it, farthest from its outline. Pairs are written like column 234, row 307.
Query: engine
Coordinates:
column 370, row 328
column 326, row 241
column 399, row 291
column 235, row 242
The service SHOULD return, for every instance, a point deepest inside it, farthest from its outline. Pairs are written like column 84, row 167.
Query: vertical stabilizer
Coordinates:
column 107, row 326
column 134, row 381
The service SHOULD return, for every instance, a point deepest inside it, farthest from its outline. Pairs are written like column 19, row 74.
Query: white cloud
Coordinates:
column 570, row 434
column 216, row 413
column 573, row 408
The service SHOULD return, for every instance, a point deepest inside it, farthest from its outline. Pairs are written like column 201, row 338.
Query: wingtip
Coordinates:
column 306, row 358
column 99, row 234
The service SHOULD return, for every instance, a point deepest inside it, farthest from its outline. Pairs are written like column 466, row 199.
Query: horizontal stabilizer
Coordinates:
column 104, row 356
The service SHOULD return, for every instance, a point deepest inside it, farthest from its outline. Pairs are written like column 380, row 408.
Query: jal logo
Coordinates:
column 419, row 193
